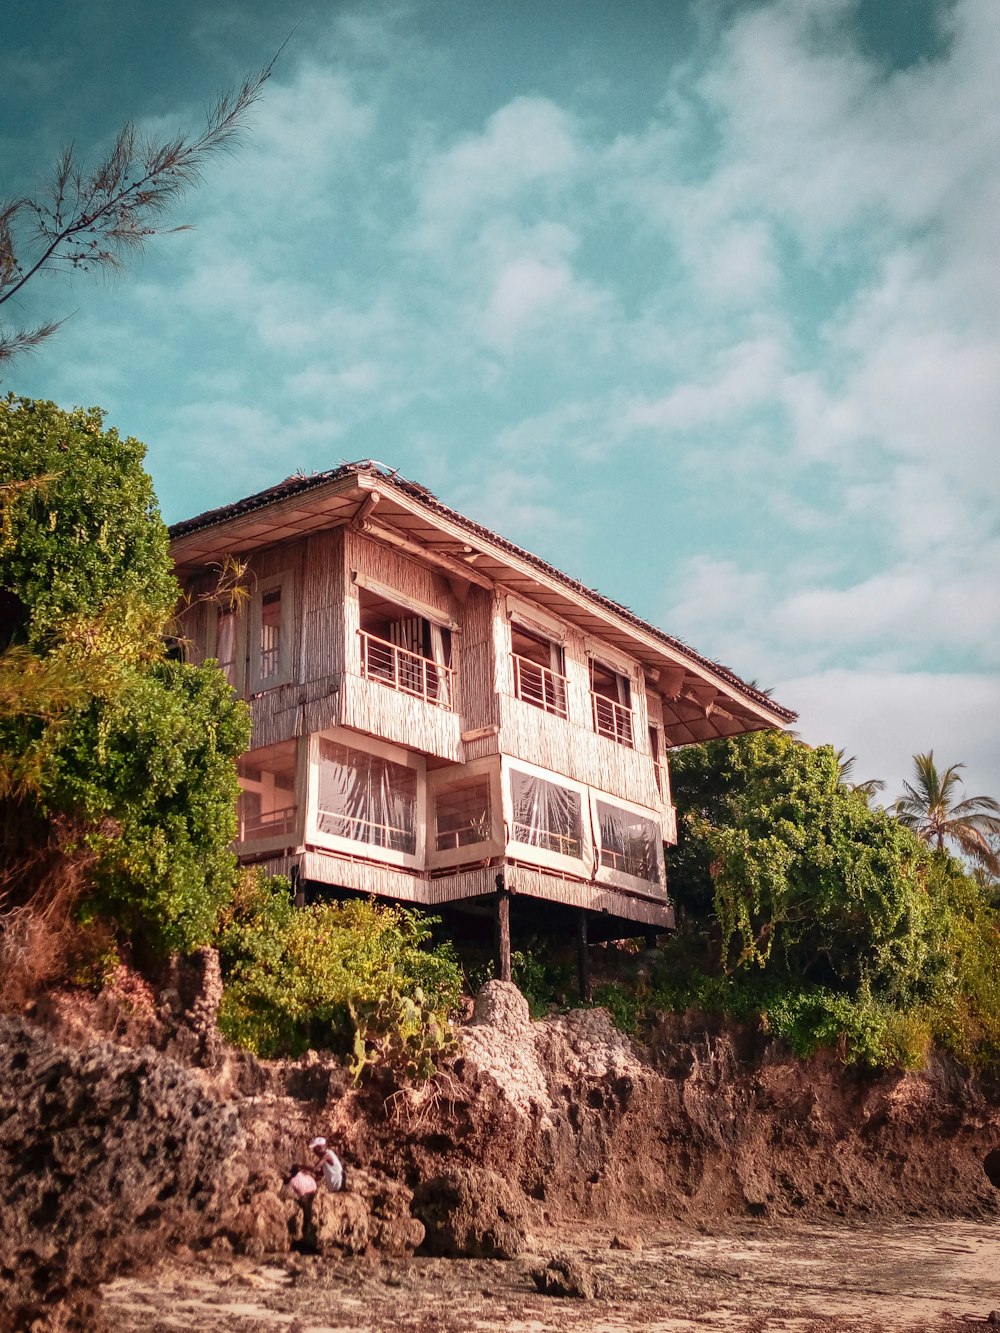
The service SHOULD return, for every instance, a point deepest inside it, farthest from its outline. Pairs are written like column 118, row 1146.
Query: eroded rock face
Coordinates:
column 471, row 1214
column 106, row 1155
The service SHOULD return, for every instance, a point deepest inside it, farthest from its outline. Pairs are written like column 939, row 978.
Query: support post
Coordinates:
column 582, row 956
column 503, row 934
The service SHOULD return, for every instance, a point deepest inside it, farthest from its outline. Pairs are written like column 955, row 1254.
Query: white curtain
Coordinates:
column 546, row 815
column 367, row 798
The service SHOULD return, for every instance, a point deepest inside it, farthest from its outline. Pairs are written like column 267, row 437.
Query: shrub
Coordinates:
column 354, row 977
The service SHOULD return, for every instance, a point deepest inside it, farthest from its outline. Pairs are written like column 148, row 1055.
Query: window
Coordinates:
column 539, row 670
column 366, row 798
column 462, row 814
column 656, row 749
column 611, row 700
column 405, row 651
column 268, row 806
column 270, row 634
column 546, row 815
column 272, row 626
column 225, row 644
column 630, row 842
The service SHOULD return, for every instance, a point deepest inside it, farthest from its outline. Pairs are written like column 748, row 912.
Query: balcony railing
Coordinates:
column 612, row 719
column 550, row 840
column 273, row 824
column 407, row 672
column 539, row 685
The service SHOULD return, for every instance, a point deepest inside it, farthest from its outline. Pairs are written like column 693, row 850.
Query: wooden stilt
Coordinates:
column 503, row 935
column 582, row 956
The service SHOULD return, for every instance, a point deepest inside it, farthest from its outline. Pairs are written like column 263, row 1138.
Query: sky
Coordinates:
column 699, row 300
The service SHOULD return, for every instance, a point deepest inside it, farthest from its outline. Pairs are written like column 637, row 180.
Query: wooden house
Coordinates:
column 441, row 718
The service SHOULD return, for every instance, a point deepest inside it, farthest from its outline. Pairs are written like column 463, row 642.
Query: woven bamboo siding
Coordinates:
column 193, row 618
column 323, row 606
column 477, row 665
column 295, row 710
column 379, row 710
column 364, row 877
column 594, row 897
column 654, row 708
column 577, row 752
column 277, row 716
column 377, row 561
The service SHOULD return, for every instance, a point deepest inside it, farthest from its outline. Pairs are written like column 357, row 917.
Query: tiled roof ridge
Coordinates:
column 299, row 482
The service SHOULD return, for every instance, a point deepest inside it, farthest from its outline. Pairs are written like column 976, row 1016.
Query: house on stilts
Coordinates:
column 441, row 718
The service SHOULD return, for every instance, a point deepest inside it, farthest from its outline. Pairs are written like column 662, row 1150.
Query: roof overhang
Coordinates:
column 702, row 700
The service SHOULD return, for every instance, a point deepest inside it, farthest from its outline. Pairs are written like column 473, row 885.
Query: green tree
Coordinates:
column 931, row 808
column 791, row 871
column 829, row 921
column 117, row 778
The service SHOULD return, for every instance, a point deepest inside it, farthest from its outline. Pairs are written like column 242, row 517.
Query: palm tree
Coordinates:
column 845, row 771
column 931, row 810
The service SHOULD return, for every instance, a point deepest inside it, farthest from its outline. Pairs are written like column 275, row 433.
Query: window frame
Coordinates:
column 440, row 779
column 620, row 879
column 334, row 842
column 285, row 583
column 253, row 847
column 617, row 668
column 579, row 867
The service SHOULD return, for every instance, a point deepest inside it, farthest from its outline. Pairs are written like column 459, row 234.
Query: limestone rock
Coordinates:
column 471, row 1214
column 562, row 1276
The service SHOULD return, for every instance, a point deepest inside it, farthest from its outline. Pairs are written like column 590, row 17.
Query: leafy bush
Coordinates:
column 824, row 919
column 354, row 977
column 112, row 755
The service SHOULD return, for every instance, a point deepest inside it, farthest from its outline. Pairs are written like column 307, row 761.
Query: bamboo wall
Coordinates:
column 322, row 615
column 594, row 897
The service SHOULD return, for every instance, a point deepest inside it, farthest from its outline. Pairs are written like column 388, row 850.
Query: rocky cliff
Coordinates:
column 111, row 1156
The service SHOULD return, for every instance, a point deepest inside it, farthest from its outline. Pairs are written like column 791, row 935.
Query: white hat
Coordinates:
column 318, row 1143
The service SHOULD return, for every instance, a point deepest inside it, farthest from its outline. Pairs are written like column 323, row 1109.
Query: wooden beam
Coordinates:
column 446, row 562
column 582, row 956
column 361, row 520
column 503, row 935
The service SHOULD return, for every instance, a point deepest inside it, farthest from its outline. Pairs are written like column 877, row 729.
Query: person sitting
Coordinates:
column 333, row 1170
column 301, row 1183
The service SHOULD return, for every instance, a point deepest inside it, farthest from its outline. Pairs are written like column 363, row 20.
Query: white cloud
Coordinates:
column 527, row 143
column 884, row 718
column 745, row 377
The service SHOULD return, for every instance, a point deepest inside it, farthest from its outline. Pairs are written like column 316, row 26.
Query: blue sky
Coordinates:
column 698, row 301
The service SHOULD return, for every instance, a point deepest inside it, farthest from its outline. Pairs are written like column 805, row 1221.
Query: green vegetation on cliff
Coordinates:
column 353, row 976
column 117, row 784
column 828, row 919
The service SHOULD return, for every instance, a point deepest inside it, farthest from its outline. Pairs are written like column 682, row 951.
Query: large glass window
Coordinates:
column 629, row 842
column 366, row 798
column 462, row 814
column 546, row 815
column 267, row 805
